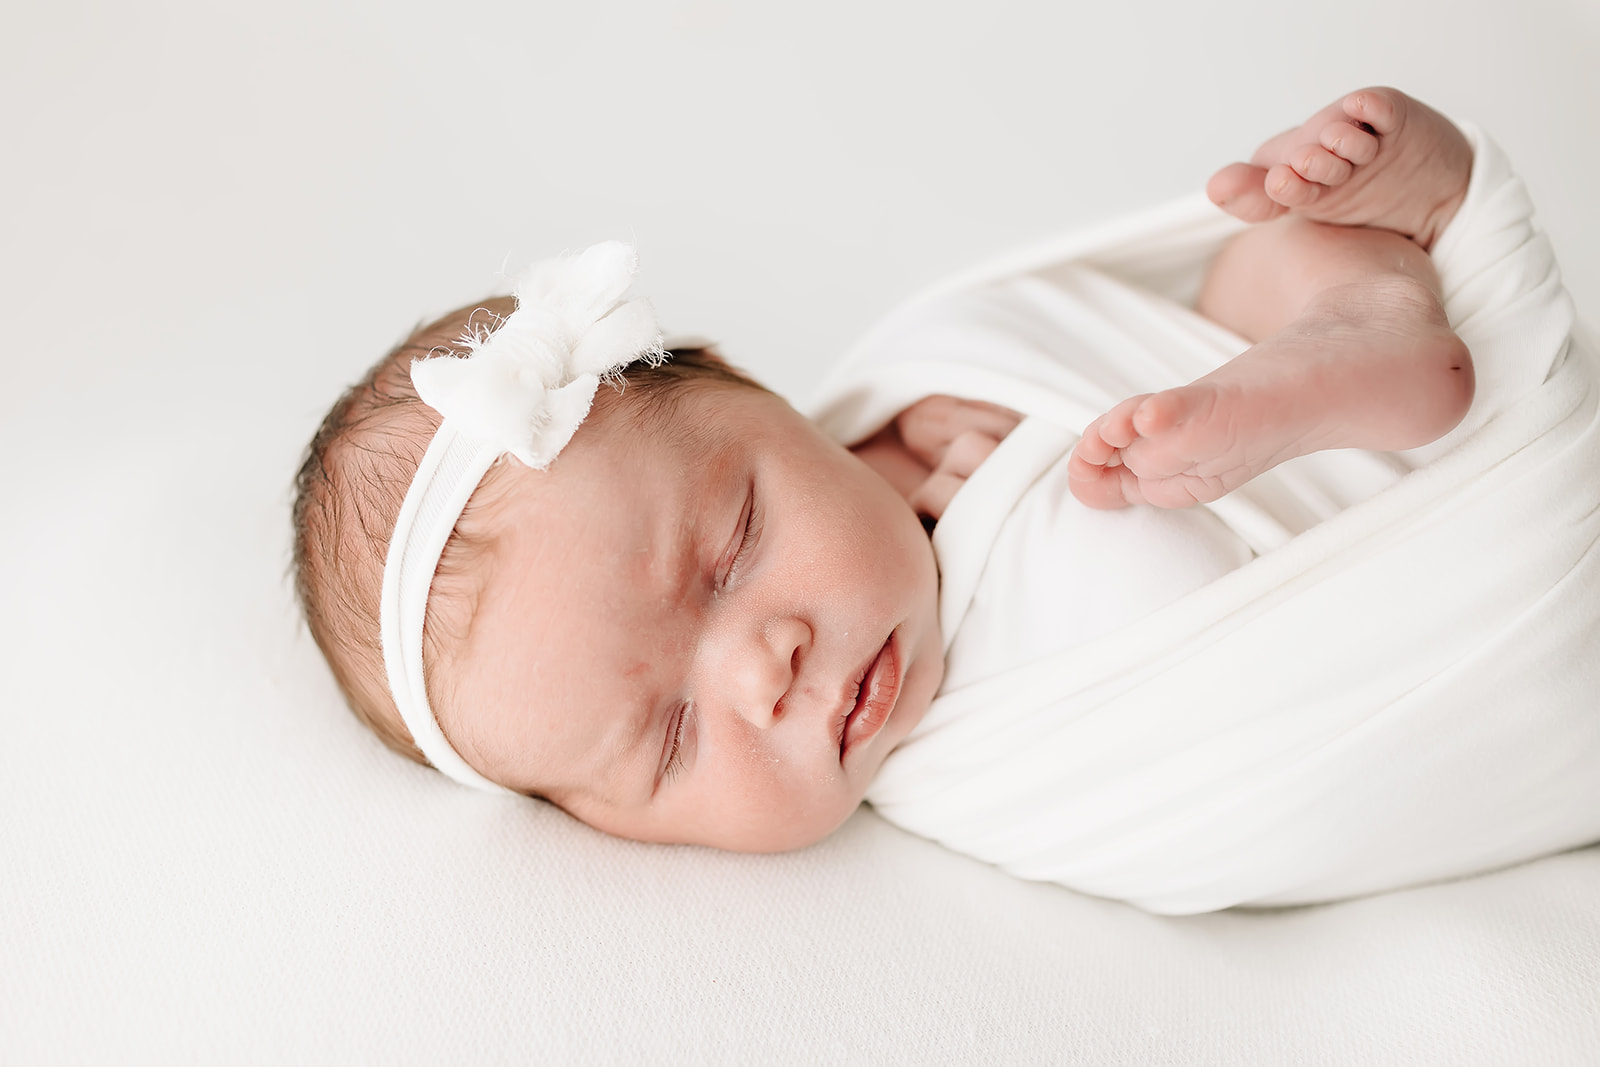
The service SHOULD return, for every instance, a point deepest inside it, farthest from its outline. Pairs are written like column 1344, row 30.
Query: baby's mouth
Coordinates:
column 876, row 693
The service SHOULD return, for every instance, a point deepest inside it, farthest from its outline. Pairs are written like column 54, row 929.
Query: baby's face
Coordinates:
column 709, row 628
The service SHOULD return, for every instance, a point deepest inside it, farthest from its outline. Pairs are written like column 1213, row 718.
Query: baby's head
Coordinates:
column 702, row 622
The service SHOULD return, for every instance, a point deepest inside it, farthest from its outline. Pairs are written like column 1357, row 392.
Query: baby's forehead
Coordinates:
column 672, row 448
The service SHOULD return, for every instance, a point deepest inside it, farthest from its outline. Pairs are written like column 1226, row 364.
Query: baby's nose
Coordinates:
column 763, row 672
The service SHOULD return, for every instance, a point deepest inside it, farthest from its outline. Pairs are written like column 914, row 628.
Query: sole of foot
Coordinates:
column 1370, row 365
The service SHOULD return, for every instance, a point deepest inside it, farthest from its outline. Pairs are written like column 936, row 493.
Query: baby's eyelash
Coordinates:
column 752, row 531
column 674, row 758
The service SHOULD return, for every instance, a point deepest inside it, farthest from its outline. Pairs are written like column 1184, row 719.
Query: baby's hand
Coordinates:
column 951, row 438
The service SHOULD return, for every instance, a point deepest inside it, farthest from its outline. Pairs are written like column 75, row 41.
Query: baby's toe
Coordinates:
column 1097, row 487
column 1092, row 449
column 1116, row 426
column 1238, row 190
column 1350, row 142
column 1382, row 109
column 1177, row 493
column 1289, row 189
column 1315, row 163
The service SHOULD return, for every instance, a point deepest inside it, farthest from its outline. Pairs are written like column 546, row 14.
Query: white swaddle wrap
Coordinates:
column 1402, row 685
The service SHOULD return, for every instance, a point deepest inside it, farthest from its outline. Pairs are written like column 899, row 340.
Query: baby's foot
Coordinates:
column 1371, row 364
column 1376, row 158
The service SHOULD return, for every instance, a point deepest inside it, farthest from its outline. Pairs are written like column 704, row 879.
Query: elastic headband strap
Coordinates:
column 450, row 471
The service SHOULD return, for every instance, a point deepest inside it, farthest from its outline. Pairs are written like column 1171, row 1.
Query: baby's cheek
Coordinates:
column 768, row 803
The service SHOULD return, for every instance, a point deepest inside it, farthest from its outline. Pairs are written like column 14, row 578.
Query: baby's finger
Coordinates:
column 934, row 495
column 966, row 453
column 930, row 425
column 991, row 419
column 927, row 426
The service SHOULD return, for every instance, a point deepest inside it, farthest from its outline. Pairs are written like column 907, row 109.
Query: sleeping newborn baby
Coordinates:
column 549, row 557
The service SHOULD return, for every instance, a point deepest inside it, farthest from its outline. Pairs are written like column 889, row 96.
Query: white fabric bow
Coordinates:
column 525, row 387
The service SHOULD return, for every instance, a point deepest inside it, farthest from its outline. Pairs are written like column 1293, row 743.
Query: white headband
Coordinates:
column 522, row 389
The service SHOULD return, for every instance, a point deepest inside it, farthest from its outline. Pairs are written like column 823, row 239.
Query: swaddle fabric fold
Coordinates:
column 1402, row 685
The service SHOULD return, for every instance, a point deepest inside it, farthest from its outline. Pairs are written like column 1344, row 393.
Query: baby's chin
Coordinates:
column 779, row 839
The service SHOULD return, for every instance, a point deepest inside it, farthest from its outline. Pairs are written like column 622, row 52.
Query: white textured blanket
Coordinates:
column 1402, row 686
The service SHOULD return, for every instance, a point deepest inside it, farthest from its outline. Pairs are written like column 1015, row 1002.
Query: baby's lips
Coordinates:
column 880, row 689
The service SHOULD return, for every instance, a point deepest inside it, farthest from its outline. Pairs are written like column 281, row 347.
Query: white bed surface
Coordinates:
column 210, row 860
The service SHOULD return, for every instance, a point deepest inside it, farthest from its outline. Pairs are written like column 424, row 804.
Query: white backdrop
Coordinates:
column 214, row 216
